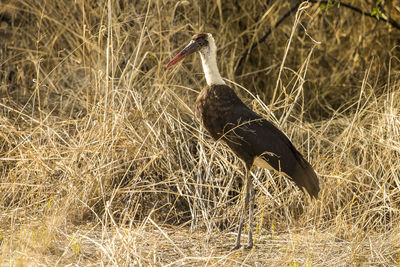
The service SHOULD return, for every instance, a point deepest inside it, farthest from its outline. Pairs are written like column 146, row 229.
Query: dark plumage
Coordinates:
column 249, row 135
column 253, row 139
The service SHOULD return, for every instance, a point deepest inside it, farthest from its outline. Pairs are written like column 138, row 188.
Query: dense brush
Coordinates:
column 102, row 161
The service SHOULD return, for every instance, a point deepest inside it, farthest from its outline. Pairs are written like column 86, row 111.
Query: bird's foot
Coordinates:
column 249, row 246
column 236, row 247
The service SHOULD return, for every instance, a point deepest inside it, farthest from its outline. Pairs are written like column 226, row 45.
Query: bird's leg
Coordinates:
column 251, row 209
column 246, row 202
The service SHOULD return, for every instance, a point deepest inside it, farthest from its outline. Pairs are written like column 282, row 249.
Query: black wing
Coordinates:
column 250, row 136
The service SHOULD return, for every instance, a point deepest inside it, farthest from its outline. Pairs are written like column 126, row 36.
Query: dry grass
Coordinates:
column 103, row 162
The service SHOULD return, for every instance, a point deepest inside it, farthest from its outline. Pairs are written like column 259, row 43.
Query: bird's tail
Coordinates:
column 305, row 177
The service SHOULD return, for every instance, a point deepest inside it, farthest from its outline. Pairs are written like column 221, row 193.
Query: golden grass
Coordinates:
column 103, row 162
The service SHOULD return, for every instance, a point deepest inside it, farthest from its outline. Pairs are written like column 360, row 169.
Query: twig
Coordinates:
column 390, row 21
column 248, row 52
column 294, row 8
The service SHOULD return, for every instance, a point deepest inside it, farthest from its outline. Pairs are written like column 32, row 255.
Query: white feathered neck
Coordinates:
column 208, row 56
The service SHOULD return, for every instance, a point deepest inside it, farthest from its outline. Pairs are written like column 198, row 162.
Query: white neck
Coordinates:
column 210, row 68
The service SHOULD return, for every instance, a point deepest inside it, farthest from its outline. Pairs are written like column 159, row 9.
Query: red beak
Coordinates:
column 188, row 50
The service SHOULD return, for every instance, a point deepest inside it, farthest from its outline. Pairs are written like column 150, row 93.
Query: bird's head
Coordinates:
column 203, row 43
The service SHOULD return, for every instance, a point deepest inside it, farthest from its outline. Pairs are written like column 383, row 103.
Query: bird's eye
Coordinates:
column 202, row 41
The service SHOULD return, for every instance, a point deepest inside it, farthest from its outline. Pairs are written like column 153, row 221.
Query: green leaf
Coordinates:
column 376, row 11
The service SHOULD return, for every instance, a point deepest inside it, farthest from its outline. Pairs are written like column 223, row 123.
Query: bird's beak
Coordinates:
column 191, row 48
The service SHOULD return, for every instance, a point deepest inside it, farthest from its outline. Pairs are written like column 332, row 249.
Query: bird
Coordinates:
column 254, row 139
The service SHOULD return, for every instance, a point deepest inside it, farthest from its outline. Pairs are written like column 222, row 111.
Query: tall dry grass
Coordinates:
column 103, row 162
